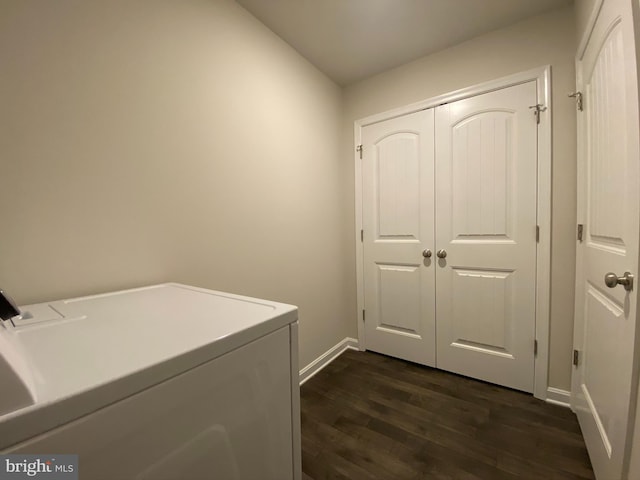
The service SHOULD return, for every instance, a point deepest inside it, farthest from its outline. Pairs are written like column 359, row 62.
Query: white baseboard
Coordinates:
column 327, row 357
column 557, row 396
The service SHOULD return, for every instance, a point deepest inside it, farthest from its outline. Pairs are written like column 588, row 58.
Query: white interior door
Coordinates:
column 608, row 206
column 486, row 170
column 397, row 218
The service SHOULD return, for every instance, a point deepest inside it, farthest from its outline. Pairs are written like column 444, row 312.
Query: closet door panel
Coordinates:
column 486, row 167
column 398, row 222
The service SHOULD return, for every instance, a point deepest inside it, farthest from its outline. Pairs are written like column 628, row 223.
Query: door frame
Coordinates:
column 542, row 76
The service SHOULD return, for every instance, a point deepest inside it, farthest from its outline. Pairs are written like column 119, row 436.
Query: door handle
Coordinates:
column 611, row 280
column 442, row 253
column 426, row 253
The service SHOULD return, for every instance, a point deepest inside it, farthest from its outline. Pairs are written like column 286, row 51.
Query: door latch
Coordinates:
column 578, row 97
column 537, row 108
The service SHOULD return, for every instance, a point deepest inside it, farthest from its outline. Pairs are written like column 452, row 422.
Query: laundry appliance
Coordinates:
column 162, row 382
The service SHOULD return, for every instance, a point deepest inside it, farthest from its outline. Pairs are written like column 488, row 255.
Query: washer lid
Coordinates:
column 84, row 353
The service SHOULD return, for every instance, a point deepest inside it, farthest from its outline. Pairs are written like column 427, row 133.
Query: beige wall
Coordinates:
column 158, row 141
column 547, row 39
column 583, row 10
column 145, row 142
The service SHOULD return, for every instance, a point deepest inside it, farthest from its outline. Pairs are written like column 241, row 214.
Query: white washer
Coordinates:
column 162, row 382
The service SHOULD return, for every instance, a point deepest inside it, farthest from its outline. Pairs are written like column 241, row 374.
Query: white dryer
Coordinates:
column 163, row 382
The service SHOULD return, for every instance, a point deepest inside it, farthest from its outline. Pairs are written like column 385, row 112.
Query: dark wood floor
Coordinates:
column 368, row 416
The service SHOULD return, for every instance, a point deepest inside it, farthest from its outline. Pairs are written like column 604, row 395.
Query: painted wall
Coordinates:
column 542, row 40
column 583, row 10
column 144, row 142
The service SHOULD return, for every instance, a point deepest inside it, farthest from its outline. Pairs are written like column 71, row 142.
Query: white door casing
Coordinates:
column 486, row 167
column 398, row 226
column 541, row 77
column 604, row 381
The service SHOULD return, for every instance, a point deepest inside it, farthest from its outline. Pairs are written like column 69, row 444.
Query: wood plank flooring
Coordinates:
column 368, row 416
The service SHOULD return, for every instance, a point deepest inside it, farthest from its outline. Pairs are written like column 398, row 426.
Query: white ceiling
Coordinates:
column 352, row 39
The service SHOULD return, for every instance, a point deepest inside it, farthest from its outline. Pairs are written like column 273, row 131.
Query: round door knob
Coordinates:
column 611, row 280
column 426, row 253
column 442, row 254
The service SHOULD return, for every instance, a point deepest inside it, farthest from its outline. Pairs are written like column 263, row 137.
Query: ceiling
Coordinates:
column 352, row 39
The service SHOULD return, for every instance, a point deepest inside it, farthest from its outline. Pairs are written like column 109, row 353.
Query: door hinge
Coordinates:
column 535, row 347
column 578, row 97
column 362, row 235
column 359, row 150
column 580, row 231
column 537, row 233
column 576, row 357
column 538, row 107
column 364, row 317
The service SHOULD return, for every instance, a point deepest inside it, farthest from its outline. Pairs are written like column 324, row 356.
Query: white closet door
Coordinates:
column 398, row 221
column 486, row 170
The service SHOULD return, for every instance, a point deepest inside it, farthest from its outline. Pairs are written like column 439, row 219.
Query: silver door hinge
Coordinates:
column 576, row 357
column 362, row 235
column 578, row 97
column 364, row 318
column 537, row 233
column 535, row 347
column 580, row 231
column 359, row 150
column 538, row 107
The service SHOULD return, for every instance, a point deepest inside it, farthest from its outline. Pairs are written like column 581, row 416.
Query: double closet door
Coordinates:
column 449, row 220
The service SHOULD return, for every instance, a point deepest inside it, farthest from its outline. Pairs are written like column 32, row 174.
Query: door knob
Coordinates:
column 442, row 254
column 426, row 253
column 611, row 280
